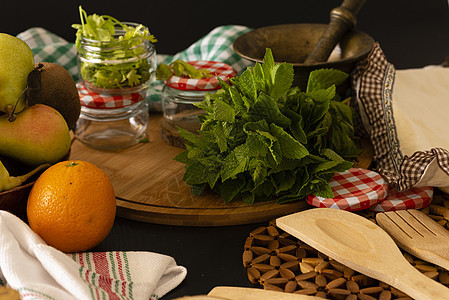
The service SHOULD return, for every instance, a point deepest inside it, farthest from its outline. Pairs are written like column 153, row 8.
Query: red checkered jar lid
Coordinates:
column 95, row 100
column 354, row 189
column 218, row 69
column 414, row 198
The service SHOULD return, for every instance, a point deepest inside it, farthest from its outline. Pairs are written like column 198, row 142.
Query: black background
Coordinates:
column 412, row 33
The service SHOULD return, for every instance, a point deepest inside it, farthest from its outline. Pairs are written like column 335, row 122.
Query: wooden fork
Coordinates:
column 417, row 234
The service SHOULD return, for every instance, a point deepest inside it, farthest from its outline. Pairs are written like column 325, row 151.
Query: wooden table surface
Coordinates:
column 411, row 33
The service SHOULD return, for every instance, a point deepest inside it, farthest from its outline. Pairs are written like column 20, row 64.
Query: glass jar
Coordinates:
column 179, row 107
column 109, row 129
column 179, row 95
column 117, row 67
column 115, row 76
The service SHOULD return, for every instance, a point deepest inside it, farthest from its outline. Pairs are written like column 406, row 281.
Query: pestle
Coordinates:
column 342, row 19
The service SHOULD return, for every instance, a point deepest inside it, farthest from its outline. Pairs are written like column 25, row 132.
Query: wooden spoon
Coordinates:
column 243, row 293
column 363, row 246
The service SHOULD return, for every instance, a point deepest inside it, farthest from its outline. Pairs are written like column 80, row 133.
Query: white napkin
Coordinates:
column 39, row 271
column 420, row 109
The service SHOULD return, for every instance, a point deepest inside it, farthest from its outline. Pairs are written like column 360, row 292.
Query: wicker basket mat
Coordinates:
column 276, row 260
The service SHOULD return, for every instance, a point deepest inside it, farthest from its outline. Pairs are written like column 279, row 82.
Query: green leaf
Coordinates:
column 182, row 157
column 195, row 173
column 282, row 76
column 248, row 198
column 163, row 72
column 260, row 172
column 246, row 84
column 296, row 126
column 283, row 181
column 266, row 108
column 189, row 137
column 223, row 111
column 256, row 145
column 290, row 147
column 230, row 188
column 220, row 137
column 181, row 69
column 133, row 77
column 324, row 78
column 259, row 78
column 267, row 66
column 235, row 163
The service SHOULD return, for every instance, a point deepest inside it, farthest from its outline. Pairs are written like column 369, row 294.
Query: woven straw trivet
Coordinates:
column 276, row 260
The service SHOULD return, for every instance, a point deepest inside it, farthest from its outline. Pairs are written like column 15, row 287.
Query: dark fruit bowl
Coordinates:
column 15, row 199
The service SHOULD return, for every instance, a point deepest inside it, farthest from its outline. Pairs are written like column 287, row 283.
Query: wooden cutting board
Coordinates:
column 149, row 187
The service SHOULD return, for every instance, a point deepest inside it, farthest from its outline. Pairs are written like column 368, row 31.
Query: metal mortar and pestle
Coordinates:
column 311, row 46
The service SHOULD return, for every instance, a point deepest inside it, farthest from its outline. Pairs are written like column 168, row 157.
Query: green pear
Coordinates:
column 16, row 62
column 38, row 134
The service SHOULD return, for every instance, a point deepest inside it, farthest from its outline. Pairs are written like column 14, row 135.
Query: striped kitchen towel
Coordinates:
column 38, row 271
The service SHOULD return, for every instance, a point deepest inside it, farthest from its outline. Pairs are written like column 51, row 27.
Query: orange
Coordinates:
column 72, row 206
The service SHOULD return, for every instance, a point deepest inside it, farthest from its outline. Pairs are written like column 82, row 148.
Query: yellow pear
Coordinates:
column 16, row 62
column 39, row 134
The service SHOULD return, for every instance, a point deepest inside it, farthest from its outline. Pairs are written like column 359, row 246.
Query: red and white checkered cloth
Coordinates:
column 92, row 99
column 354, row 189
column 413, row 198
column 218, row 69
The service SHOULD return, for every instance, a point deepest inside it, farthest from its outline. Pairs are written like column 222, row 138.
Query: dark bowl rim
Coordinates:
column 255, row 31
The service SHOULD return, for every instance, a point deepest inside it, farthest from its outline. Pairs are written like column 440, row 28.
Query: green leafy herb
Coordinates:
column 262, row 138
column 182, row 69
column 101, row 32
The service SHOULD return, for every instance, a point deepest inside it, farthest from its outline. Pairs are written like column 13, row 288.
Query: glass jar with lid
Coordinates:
column 120, row 65
column 111, row 122
column 115, row 76
column 180, row 94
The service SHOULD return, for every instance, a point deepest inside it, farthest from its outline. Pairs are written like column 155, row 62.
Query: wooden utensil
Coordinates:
column 241, row 293
column 418, row 234
column 363, row 246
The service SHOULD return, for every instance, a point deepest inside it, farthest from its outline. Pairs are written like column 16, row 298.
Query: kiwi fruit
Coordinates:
column 51, row 84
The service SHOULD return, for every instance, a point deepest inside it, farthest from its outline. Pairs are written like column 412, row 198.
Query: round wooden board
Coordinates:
column 149, row 187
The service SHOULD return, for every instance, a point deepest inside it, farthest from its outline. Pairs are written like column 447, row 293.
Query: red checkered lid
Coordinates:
column 413, row 198
column 354, row 189
column 218, row 69
column 92, row 99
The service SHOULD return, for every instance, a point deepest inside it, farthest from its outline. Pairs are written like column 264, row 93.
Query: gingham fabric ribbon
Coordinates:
column 354, row 189
column 92, row 99
column 215, row 46
column 216, row 69
column 39, row 271
column 373, row 82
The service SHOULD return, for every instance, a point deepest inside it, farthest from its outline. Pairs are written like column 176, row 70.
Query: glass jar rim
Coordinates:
column 117, row 25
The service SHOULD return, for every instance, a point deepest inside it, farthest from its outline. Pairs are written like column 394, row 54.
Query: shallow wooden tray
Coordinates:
column 149, row 187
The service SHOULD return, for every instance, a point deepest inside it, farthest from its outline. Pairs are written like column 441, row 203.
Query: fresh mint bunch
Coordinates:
column 262, row 138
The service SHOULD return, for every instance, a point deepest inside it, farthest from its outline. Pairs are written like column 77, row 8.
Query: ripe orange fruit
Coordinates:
column 72, row 206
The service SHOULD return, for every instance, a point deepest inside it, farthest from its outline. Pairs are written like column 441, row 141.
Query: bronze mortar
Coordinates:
column 292, row 43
